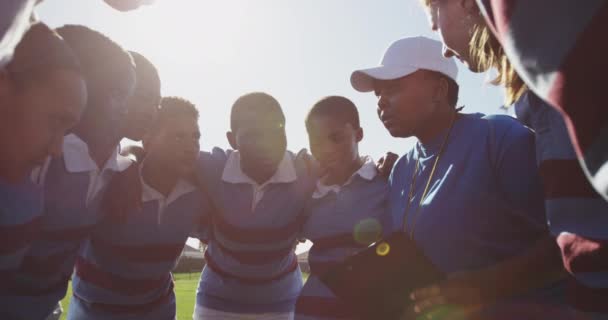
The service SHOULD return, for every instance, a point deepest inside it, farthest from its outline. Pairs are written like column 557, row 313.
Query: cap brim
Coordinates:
column 363, row 80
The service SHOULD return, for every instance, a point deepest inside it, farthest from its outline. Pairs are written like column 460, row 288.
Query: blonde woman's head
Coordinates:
column 466, row 36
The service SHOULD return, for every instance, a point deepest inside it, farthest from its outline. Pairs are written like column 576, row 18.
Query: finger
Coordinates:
column 380, row 165
column 469, row 312
column 425, row 293
column 409, row 314
column 388, row 162
column 425, row 305
column 462, row 313
column 462, row 295
column 441, row 312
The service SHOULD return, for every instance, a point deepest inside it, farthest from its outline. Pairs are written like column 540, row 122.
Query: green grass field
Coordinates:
column 185, row 295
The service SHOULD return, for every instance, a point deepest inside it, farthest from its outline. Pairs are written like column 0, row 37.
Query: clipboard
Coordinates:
column 376, row 282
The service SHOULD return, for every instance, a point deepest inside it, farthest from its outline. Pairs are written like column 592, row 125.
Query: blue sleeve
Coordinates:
column 307, row 165
column 202, row 226
column 303, row 233
column 516, row 170
column 307, row 170
column 551, row 132
column 210, row 166
column 209, row 169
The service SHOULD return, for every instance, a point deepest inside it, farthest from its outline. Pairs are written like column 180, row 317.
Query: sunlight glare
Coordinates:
column 199, row 30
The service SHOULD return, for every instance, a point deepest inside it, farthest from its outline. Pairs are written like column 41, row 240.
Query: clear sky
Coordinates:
column 211, row 52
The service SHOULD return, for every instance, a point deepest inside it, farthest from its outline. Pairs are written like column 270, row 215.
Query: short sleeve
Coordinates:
column 202, row 228
column 516, row 169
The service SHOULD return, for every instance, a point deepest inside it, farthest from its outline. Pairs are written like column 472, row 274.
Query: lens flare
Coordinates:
column 383, row 249
column 367, row 231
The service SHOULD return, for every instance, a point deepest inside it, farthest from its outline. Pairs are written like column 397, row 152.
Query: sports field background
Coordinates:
column 185, row 294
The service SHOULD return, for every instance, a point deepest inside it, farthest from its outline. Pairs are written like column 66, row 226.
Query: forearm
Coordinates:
column 535, row 268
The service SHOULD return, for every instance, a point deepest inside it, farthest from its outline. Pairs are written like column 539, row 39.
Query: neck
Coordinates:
column 158, row 177
column 339, row 177
column 259, row 177
column 100, row 146
column 439, row 122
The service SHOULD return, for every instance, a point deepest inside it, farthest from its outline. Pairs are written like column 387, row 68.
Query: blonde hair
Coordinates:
column 486, row 52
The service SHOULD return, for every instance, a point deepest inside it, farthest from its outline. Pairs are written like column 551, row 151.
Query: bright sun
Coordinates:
column 196, row 28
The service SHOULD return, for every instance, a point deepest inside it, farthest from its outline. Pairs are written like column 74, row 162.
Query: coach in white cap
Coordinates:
column 468, row 193
column 412, row 79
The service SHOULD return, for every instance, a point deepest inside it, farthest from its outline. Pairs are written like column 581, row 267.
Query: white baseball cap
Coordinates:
column 403, row 58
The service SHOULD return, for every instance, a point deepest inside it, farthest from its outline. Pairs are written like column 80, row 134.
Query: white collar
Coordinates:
column 233, row 173
column 182, row 187
column 368, row 171
column 77, row 158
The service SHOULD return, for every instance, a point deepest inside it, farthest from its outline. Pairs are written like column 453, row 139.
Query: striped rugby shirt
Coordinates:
column 342, row 220
column 559, row 48
column 576, row 213
column 73, row 188
column 251, row 264
column 124, row 269
column 20, row 215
